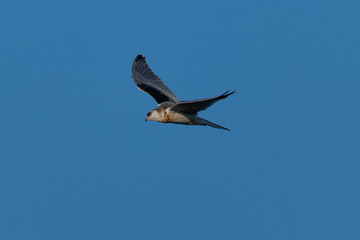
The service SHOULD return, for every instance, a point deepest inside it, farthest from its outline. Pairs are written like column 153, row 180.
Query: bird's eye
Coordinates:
column 148, row 114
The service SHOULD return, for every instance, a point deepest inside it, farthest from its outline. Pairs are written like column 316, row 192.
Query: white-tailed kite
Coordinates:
column 170, row 109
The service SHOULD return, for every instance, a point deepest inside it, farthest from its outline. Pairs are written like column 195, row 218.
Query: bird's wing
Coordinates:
column 198, row 105
column 147, row 81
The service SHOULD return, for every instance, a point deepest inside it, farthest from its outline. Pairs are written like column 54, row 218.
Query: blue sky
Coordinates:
column 79, row 162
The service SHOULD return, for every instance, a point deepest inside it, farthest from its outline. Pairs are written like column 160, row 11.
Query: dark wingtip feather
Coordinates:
column 139, row 57
column 227, row 93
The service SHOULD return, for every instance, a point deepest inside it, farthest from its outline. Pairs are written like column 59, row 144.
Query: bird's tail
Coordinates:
column 211, row 124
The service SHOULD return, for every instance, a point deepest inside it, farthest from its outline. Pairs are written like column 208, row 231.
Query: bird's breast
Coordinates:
column 176, row 117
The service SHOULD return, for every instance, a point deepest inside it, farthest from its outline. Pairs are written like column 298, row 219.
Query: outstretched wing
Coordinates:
column 148, row 82
column 198, row 105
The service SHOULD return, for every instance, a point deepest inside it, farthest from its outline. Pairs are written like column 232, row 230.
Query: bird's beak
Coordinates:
column 146, row 119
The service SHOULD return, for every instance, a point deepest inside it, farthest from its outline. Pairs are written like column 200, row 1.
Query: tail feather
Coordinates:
column 211, row 124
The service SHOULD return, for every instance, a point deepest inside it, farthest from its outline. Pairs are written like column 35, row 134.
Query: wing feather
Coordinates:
column 147, row 81
column 199, row 105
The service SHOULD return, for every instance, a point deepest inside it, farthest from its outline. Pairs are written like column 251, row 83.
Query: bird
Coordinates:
column 170, row 109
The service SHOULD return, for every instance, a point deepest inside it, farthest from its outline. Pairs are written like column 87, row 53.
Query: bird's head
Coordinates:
column 154, row 115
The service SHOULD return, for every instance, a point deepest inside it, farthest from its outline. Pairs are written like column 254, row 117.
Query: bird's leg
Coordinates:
column 167, row 117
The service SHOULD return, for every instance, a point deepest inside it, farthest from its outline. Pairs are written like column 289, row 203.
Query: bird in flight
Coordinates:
column 170, row 109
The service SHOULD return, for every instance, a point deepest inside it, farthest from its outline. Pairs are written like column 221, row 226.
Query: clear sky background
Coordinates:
column 77, row 160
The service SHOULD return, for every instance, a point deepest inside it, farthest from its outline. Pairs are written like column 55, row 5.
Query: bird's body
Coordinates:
column 166, row 115
column 170, row 109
